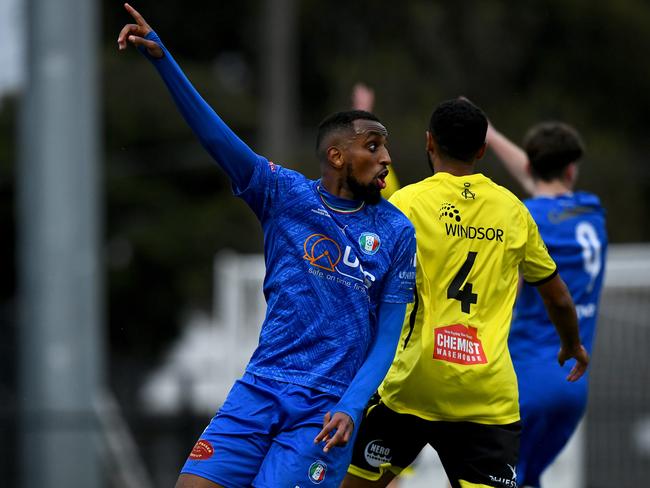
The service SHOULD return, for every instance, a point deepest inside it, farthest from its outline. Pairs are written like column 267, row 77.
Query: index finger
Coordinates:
column 325, row 432
column 136, row 15
column 338, row 438
column 576, row 372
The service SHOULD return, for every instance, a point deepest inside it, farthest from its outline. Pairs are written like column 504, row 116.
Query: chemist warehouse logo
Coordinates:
column 454, row 227
column 458, row 344
column 325, row 253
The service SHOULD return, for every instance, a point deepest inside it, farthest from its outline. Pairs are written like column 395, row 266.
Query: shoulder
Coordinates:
column 287, row 179
column 410, row 194
column 589, row 199
column 507, row 195
column 393, row 216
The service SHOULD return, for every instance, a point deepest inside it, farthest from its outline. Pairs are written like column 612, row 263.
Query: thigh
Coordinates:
column 386, row 441
column 231, row 449
column 551, row 409
column 478, row 454
column 293, row 458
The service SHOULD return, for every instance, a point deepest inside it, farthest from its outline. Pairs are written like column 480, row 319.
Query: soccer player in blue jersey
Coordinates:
column 572, row 225
column 340, row 270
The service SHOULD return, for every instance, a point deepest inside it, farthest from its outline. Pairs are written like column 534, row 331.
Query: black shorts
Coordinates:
column 476, row 453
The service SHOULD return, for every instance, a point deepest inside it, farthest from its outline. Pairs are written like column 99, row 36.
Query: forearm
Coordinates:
column 565, row 320
column 512, row 156
column 377, row 363
column 230, row 152
column 561, row 310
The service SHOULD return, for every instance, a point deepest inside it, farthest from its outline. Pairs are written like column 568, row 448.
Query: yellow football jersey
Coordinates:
column 474, row 237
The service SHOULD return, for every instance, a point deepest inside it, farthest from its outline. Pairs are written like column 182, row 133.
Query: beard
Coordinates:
column 369, row 193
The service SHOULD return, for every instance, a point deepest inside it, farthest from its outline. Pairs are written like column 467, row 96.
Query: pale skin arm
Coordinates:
column 512, row 156
column 562, row 312
column 363, row 97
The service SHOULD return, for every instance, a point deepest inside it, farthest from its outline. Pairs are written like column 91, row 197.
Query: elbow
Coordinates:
column 562, row 302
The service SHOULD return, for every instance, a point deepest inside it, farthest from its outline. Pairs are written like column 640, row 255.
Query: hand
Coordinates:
column 363, row 97
column 342, row 423
column 135, row 33
column 582, row 361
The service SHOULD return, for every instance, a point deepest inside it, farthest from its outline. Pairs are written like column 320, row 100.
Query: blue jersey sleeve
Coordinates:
column 268, row 184
column 230, row 152
column 375, row 367
column 400, row 281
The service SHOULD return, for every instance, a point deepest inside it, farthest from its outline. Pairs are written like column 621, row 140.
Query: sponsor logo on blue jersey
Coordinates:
column 323, row 252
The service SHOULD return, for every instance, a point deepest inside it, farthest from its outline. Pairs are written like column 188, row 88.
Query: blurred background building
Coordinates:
column 110, row 207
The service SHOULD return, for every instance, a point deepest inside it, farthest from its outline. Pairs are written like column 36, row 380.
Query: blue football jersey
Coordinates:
column 326, row 273
column 573, row 229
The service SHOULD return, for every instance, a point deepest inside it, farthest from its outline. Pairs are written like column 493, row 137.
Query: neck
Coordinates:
column 550, row 188
column 336, row 187
column 456, row 168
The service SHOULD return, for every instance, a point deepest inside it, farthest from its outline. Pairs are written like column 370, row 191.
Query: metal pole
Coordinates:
column 58, row 240
column 279, row 91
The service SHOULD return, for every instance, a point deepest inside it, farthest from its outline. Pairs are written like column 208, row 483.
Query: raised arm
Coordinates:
column 512, row 156
column 230, row 152
column 363, row 97
column 562, row 312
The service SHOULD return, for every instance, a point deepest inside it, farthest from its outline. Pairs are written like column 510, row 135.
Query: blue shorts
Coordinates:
column 263, row 436
column 551, row 409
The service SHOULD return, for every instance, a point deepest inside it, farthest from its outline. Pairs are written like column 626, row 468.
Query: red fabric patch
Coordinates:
column 202, row 450
column 458, row 344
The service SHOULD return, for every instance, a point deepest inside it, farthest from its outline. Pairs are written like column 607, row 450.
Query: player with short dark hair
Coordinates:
column 458, row 129
column 452, row 384
column 340, row 271
column 572, row 225
column 551, row 147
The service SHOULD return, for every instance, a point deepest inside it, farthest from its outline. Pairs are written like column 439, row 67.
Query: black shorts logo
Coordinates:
column 376, row 453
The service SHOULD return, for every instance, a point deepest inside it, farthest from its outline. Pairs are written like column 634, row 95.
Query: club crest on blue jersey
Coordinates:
column 369, row 243
column 317, row 472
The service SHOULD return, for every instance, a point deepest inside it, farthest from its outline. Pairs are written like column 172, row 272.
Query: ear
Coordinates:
column 430, row 146
column 571, row 174
column 335, row 157
column 481, row 152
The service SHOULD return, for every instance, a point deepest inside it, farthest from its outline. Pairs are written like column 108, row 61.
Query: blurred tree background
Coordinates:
column 168, row 209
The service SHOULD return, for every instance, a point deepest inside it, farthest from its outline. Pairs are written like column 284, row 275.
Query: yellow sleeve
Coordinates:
column 537, row 266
